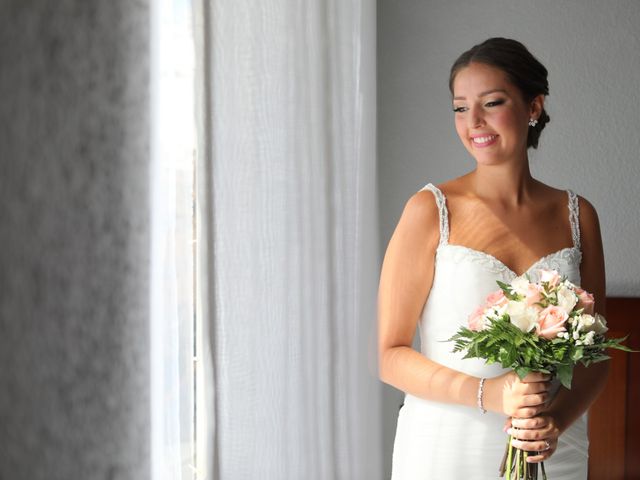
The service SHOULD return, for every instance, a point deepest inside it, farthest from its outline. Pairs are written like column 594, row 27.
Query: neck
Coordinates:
column 509, row 184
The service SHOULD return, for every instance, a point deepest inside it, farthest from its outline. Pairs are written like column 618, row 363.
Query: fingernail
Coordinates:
column 509, row 431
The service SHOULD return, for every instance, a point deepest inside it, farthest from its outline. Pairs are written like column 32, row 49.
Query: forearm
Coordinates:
column 569, row 405
column 408, row 370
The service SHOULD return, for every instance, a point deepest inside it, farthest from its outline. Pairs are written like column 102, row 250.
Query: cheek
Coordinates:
column 513, row 123
column 516, row 117
column 506, row 119
column 461, row 128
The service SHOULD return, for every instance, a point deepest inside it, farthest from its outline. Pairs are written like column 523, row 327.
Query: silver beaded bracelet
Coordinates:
column 480, row 392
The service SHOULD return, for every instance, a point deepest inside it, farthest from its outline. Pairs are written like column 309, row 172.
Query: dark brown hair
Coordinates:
column 522, row 69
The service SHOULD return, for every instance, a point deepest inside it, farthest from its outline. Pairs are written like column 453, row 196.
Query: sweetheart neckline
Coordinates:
column 501, row 263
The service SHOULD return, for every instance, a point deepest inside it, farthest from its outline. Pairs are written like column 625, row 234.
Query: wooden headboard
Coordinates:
column 614, row 419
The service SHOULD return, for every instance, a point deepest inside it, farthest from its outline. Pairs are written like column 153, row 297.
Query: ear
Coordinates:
column 536, row 107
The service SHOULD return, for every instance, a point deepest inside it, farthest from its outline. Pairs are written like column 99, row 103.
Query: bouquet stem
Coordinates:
column 503, row 463
column 515, row 465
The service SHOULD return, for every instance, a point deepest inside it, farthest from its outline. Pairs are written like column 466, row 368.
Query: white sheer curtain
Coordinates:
column 288, row 124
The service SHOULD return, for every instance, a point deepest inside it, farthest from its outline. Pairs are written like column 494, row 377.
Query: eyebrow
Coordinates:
column 483, row 93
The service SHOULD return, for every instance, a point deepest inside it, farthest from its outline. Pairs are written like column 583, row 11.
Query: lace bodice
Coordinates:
column 557, row 260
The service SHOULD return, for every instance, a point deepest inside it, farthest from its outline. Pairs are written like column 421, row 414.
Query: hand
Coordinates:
column 539, row 434
column 524, row 398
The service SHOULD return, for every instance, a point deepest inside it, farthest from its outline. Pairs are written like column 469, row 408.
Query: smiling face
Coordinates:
column 491, row 116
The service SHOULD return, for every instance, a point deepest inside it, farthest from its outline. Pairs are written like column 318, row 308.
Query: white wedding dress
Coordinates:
column 450, row 442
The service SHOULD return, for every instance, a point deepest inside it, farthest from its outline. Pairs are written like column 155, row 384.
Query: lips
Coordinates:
column 483, row 140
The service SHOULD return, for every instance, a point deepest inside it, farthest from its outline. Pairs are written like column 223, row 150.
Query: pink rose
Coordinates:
column 532, row 295
column 550, row 276
column 476, row 322
column 551, row 322
column 496, row 298
column 585, row 300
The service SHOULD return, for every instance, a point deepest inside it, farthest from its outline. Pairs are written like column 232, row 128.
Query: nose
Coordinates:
column 475, row 117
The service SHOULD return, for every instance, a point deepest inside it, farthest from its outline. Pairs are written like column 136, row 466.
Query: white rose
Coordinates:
column 600, row 324
column 588, row 338
column 520, row 285
column 498, row 311
column 585, row 322
column 523, row 317
column 567, row 299
column 589, row 323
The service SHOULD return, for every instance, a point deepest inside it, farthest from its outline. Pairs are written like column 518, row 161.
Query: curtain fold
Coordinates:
column 288, row 133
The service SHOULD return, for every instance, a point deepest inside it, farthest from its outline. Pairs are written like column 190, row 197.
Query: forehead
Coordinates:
column 479, row 77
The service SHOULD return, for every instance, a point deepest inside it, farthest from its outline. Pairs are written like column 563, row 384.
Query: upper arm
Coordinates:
column 588, row 382
column 407, row 272
column 592, row 268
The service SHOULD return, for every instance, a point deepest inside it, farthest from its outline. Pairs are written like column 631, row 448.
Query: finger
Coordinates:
column 537, row 387
column 536, row 422
column 507, row 425
column 531, row 445
column 528, row 412
column 529, row 435
column 535, row 399
column 541, row 457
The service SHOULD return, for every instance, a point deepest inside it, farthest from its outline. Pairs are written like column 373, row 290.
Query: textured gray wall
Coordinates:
column 74, row 151
column 591, row 145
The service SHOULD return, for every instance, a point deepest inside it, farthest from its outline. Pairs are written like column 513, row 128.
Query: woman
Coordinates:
column 450, row 246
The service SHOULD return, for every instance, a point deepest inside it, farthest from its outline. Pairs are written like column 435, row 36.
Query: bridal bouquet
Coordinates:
column 548, row 326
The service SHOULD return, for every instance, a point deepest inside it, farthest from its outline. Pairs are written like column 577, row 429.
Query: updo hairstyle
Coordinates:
column 521, row 67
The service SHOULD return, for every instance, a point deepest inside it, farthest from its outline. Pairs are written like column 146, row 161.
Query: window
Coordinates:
column 178, row 421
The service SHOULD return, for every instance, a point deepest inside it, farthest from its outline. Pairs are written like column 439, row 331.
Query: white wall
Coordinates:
column 591, row 145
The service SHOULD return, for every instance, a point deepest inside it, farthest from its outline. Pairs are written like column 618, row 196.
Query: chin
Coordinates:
column 490, row 158
column 486, row 158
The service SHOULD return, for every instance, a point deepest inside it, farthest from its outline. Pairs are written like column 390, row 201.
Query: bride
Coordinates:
column 451, row 244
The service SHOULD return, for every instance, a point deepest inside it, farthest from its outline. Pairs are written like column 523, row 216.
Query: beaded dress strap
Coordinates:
column 442, row 210
column 574, row 218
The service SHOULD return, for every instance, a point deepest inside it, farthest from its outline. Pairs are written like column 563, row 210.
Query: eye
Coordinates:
column 494, row 103
column 459, row 109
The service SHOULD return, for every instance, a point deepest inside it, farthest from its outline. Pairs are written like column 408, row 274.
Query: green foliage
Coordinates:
column 564, row 372
column 504, row 343
column 508, row 292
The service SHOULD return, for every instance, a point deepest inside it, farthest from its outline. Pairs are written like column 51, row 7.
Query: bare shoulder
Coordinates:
column 589, row 221
column 415, row 238
column 420, row 218
column 551, row 196
column 588, row 217
column 590, row 234
column 455, row 186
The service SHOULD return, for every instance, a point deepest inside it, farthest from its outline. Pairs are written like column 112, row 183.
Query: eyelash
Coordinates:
column 495, row 103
